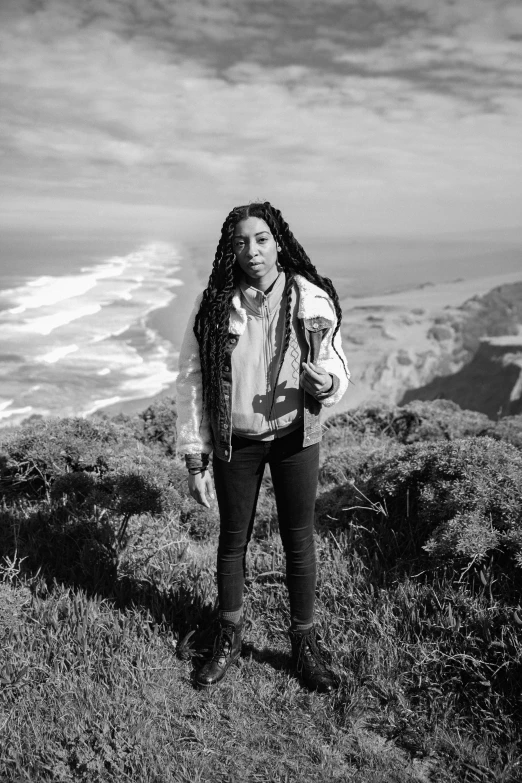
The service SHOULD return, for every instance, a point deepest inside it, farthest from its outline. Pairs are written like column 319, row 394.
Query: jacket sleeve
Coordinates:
column 194, row 436
column 332, row 359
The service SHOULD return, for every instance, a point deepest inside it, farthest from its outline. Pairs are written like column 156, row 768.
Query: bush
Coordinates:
column 453, row 504
column 460, row 500
column 508, row 429
column 85, row 479
column 159, row 424
column 416, row 421
column 355, row 464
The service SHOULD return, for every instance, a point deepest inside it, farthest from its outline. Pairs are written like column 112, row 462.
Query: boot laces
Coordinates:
column 224, row 642
column 315, row 657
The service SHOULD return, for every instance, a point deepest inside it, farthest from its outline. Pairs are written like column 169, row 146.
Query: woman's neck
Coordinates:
column 263, row 283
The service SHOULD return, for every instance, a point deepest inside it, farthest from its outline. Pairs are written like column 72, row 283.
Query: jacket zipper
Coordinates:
column 268, row 360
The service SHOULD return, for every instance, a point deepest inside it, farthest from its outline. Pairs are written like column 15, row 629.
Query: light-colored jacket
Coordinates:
column 197, row 434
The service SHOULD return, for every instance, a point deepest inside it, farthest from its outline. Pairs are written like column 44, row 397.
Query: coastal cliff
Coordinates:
column 490, row 383
column 427, row 345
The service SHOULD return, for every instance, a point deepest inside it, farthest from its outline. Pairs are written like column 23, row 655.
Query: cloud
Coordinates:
column 395, row 112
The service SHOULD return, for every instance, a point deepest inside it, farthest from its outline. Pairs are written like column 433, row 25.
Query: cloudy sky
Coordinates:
column 353, row 116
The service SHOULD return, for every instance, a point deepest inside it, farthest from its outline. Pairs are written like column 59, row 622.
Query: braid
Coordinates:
column 212, row 320
column 211, row 325
column 295, row 259
column 288, row 332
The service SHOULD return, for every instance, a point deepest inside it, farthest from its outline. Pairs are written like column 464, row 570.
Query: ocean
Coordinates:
column 77, row 340
column 87, row 333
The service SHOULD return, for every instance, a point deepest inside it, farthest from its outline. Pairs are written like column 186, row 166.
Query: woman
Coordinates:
column 261, row 356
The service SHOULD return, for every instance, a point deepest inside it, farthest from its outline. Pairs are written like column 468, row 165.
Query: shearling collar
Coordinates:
column 313, row 302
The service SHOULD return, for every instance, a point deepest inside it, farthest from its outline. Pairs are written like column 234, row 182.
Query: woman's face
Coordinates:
column 256, row 252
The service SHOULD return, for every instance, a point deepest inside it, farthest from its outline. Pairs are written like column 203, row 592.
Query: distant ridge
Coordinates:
column 490, row 383
column 490, row 338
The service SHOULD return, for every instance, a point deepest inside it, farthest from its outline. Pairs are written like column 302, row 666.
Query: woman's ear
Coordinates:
column 278, row 248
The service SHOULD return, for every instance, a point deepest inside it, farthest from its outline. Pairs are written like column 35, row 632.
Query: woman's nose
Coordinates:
column 252, row 250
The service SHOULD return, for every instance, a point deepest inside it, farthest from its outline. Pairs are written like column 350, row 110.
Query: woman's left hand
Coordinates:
column 315, row 380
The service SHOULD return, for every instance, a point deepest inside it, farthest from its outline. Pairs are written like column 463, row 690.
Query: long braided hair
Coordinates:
column 211, row 325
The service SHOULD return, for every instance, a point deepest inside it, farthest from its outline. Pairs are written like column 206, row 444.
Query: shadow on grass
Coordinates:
column 53, row 547
column 82, row 552
column 274, row 658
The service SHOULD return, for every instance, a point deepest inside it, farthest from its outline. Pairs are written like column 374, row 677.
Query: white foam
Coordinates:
column 38, row 282
column 97, row 404
column 59, row 353
column 12, row 412
column 48, row 323
column 86, row 315
column 50, row 291
column 5, row 404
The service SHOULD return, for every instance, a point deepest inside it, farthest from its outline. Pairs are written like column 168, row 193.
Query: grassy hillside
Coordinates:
column 107, row 598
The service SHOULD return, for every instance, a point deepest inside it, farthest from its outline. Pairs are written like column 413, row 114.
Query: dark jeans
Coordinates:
column 294, row 472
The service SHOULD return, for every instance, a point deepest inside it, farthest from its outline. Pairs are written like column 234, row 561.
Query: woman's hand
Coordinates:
column 315, row 380
column 199, row 485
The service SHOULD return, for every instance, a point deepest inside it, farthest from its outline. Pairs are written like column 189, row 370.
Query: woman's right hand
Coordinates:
column 200, row 487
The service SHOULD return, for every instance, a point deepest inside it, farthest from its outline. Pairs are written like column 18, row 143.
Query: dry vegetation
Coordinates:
column 107, row 599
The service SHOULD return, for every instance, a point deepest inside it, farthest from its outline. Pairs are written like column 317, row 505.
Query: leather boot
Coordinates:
column 227, row 649
column 309, row 662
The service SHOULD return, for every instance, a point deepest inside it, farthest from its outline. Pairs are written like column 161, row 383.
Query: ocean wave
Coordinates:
column 58, row 353
column 48, row 323
column 15, row 413
column 78, row 342
column 99, row 404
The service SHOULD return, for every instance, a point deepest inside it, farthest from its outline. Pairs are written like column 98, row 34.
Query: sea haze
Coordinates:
column 75, row 343
column 366, row 266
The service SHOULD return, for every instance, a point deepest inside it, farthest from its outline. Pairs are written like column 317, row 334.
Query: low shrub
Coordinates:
column 416, row 421
column 357, row 462
column 159, row 424
column 460, row 500
column 71, row 487
column 448, row 503
column 508, row 429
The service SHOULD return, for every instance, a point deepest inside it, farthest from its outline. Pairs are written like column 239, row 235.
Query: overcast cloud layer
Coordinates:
column 352, row 116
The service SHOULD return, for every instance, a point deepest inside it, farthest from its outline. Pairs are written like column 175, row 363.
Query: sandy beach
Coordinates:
column 392, row 341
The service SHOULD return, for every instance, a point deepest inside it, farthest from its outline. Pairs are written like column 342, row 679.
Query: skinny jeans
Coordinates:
column 294, row 471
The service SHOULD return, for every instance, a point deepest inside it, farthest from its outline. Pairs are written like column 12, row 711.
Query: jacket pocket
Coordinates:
column 318, row 324
column 316, row 329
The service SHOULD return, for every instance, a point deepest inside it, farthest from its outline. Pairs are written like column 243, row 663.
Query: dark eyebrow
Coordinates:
column 242, row 236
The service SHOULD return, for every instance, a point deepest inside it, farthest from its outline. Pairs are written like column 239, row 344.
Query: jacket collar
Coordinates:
column 313, row 302
column 254, row 300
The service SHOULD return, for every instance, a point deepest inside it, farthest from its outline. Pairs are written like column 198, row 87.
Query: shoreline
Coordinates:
column 384, row 331
column 374, row 325
column 169, row 322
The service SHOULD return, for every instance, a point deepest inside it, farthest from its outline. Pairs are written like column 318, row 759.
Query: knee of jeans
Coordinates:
column 303, row 553
column 232, row 551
